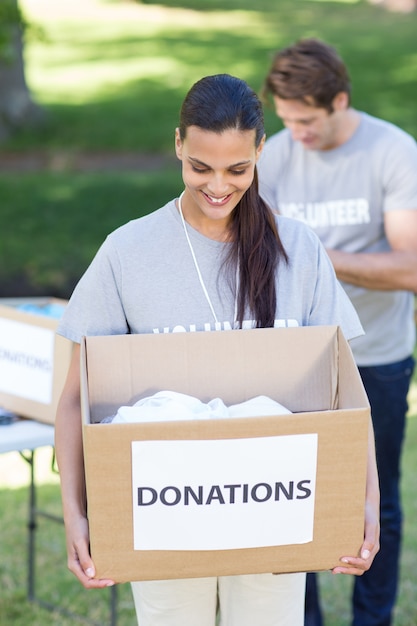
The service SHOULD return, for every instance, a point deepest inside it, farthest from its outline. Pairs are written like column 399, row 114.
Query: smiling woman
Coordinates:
column 215, row 258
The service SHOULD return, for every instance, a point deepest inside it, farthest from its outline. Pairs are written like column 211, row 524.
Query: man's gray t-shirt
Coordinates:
column 342, row 194
column 143, row 280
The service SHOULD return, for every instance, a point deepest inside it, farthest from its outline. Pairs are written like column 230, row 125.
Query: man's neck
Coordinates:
column 348, row 124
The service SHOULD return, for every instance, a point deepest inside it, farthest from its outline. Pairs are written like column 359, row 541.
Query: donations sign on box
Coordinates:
column 26, row 354
column 223, row 494
column 34, row 360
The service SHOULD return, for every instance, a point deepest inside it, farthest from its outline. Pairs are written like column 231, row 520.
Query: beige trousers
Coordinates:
column 250, row 600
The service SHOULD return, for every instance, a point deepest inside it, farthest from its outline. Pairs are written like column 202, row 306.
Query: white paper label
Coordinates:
column 26, row 361
column 223, row 494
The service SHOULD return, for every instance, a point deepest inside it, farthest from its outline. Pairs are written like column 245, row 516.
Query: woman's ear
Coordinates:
column 178, row 144
column 260, row 147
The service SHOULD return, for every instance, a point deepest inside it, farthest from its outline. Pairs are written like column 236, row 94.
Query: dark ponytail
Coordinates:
column 256, row 250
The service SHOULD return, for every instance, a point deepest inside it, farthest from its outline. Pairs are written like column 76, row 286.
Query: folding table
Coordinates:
column 25, row 436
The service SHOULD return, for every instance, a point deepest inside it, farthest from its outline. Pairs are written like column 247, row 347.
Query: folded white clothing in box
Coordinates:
column 171, row 406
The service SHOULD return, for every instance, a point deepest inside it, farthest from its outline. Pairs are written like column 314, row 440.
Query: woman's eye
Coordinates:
column 205, row 170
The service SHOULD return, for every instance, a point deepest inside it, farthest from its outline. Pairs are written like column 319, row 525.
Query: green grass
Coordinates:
column 54, row 583
column 52, row 224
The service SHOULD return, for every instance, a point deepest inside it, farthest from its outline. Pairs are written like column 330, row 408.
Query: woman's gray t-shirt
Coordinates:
column 143, row 280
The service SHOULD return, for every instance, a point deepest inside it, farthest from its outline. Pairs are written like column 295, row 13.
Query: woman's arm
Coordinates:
column 69, row 452
column 370, row 546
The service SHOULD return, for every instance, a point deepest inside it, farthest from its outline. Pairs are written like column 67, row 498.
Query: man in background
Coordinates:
column 353, row 179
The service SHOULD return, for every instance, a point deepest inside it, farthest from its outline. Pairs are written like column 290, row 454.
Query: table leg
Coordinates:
column 33, row 513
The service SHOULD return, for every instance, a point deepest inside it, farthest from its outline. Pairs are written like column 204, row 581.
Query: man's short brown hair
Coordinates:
column 310, row 71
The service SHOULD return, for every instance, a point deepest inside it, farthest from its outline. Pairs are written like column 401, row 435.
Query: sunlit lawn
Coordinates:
column 113, row 74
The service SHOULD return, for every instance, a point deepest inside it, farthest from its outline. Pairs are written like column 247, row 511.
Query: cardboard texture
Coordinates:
column 33, row 374
column 309, row 370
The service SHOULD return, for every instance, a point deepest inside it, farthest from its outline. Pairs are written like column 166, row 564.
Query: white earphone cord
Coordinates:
column 203, row 286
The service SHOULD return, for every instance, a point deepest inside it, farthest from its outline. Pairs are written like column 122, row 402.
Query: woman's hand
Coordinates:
column 79, row 558
column 358, row 565
column 69, row 454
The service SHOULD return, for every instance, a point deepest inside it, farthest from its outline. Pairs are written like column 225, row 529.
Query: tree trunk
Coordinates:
column 17, row 109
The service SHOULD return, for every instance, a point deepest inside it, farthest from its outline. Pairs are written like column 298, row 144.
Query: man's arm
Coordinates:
column 392, row 270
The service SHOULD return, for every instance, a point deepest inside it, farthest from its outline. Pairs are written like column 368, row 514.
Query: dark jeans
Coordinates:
column 375, row 592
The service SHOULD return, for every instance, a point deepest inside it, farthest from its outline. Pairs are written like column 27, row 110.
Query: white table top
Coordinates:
column 25, row 435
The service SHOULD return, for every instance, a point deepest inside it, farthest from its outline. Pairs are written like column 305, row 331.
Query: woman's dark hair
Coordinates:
column 310, row 71
column 219, row 103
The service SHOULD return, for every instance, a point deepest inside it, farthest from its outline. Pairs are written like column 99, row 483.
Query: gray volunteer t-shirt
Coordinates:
column 143, row 280
column 342, row 194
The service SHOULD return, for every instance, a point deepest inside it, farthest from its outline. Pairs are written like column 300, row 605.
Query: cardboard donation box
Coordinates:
column 217, row 497
column 33, row 360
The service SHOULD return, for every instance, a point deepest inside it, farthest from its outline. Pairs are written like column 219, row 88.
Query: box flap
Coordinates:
column 297, row 367
column 352, row 393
